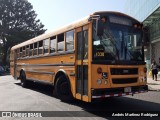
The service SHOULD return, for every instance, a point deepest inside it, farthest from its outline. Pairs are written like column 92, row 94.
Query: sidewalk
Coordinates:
column 152, row 84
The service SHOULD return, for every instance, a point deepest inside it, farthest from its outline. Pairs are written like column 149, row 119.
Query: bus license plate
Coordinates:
column 127, row 89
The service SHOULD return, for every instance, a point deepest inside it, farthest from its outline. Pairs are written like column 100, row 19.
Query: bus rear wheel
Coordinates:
column 63, row 89
column 23, row 79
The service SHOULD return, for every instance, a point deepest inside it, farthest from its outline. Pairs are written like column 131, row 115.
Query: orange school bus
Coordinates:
column 101, row 55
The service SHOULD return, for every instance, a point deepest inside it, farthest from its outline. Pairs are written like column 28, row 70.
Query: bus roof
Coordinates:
column 114, row 12
column 64, row 29
column 53, row 33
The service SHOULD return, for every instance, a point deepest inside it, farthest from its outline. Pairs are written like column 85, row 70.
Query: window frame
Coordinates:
column 31, row 50
column 60, row 41
column 44, row 44
column 35, row 51
column 73, row 35
column 40, row 53
column 24, row 51
column 20, row 52
column 55, row 44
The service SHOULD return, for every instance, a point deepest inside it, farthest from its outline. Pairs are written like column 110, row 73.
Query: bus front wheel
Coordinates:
column 63, row 89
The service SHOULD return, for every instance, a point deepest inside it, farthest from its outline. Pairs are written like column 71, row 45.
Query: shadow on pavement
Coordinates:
column 103, row 107
column 5, row 74
column 39, row 87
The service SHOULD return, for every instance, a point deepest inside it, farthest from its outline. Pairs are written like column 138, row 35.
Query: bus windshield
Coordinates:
column 118, row 43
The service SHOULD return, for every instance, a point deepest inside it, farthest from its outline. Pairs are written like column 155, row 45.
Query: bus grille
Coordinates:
column 124, row 80
column 124, row 71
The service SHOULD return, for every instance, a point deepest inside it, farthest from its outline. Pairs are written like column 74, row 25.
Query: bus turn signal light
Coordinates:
column 145, row 70
column 99, row 70
column 135, row 26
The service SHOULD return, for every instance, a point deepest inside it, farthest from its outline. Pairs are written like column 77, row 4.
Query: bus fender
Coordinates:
column 60, row 73
column 61, row 79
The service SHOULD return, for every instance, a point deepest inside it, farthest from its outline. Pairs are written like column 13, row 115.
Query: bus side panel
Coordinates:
column 12, row 68
column 45, row 68
column 70, row 71
column 13, row 60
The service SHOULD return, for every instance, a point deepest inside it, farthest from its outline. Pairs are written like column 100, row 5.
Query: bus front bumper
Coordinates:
column 117, row 92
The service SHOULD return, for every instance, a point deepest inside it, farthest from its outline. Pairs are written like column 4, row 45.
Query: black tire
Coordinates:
column 23, row 79
column 63, row 89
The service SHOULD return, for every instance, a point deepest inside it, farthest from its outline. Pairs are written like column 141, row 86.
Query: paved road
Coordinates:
column 40, row 98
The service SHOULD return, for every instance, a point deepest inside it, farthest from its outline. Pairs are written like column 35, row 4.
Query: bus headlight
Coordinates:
column 141, row 79
column 99, row 81
column 145, row 79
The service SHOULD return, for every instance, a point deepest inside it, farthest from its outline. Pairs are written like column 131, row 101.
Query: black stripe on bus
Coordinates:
column 112, row 62
column 40, row 81
column 46, row 55
column 41, row 72
column 58, row 64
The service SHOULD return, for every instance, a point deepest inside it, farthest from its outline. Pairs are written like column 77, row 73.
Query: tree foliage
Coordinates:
column 18, row 23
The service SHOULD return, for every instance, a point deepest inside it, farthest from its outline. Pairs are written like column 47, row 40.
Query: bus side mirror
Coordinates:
column 99, row 27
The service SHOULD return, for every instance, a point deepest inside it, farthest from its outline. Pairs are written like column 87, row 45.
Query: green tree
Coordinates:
column 18, row 23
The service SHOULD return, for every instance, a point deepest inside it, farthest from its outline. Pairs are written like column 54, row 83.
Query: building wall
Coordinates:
column 156, row 52
column 155, row 31
column 141, row 10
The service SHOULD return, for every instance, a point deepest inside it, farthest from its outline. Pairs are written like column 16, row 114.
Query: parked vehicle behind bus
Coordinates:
column 1, row 70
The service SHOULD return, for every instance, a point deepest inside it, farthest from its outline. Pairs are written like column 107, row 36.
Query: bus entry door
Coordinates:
column 82, row 62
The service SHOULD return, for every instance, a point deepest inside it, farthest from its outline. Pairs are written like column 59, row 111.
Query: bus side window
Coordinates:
column 20, row 52
column 35, row 49
column 70, row 40
column 30, row 51
column 53, row 45
column 60, row 42
column 24, row 51
column 27, row 50
column 40, row 47
column 46, row 45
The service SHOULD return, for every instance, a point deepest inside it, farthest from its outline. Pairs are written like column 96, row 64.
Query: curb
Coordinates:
column 153, row 89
